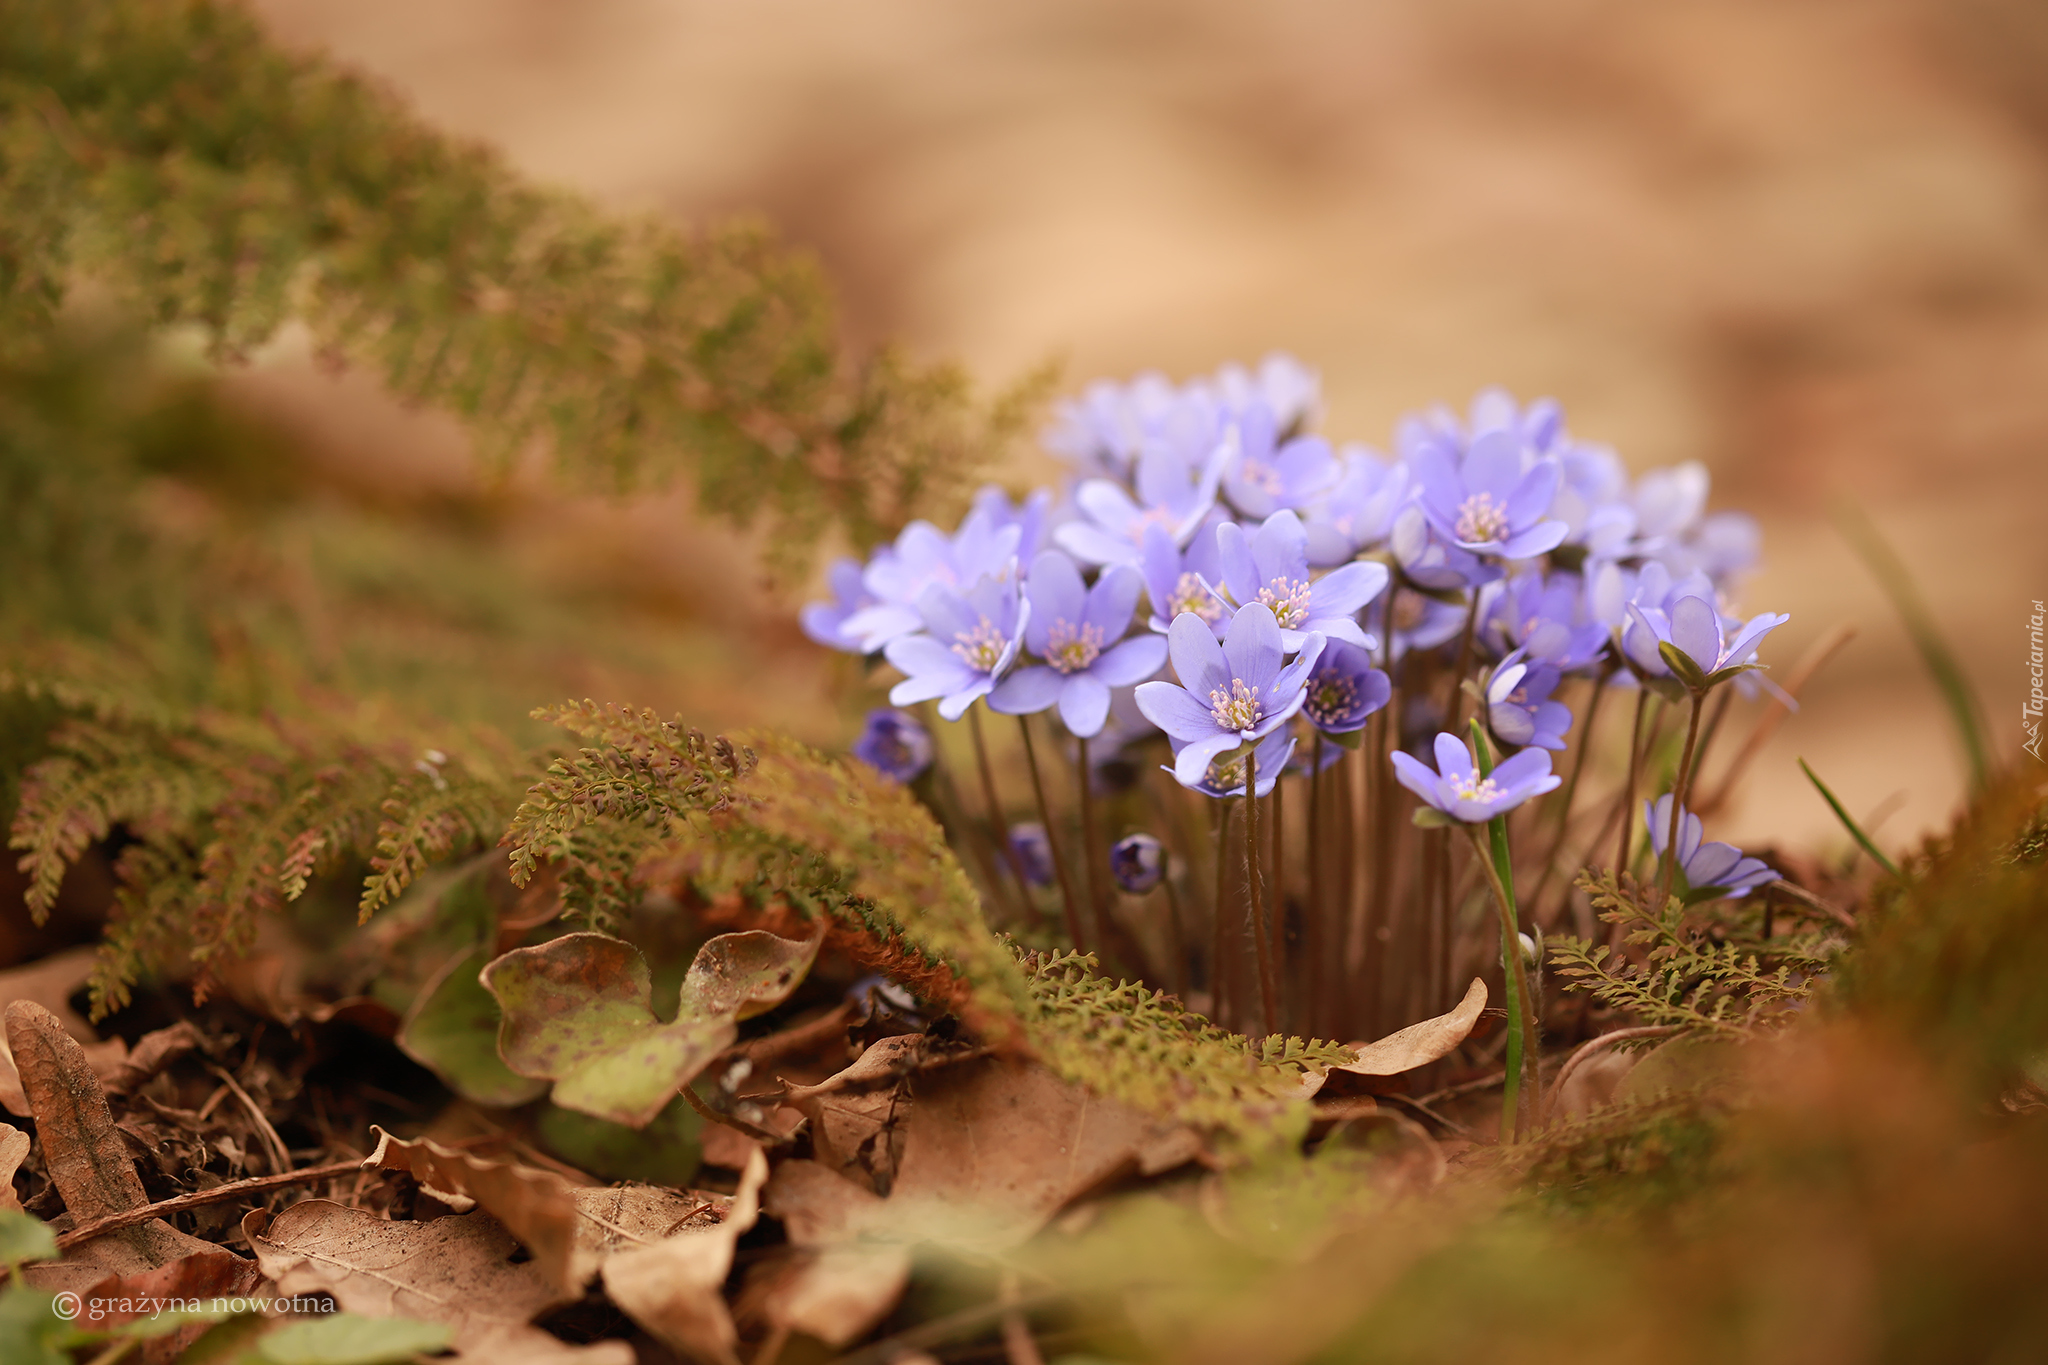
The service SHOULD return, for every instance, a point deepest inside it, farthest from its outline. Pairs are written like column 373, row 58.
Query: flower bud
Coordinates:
column 1138, row 862
column 895, row 744
column 1034, row 852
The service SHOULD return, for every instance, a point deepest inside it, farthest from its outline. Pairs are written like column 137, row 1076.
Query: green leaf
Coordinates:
column 24, row 1237
column 665, row 1152
column 31, row 1333
column 1682, row 666
column 1855, row 830
column 452, row 1030
column 351, row 1339
column 579, row 1011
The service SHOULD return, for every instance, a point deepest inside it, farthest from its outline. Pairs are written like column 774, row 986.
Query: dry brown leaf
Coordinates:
column 619, row 1219
column 51, row 984
column 726, row 1147
column 996, row 1148
column 156, row 1050
column 1420, row 1044
column 213, row 1273
column 87, row 1158
column 857, row 1115
column 851, row 1265
column 538, row 1207
column 14, row 1145
column 456, row 1270
column 673, row 1288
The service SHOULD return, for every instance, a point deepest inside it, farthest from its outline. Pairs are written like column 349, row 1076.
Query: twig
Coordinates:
column 280, row 1159
column 1419, row 1107
column 754, row 1131
column 1464, row 1088
column 1604, row 1041
column 219, row 1194
column 1017, row 1341
column 1801, row 894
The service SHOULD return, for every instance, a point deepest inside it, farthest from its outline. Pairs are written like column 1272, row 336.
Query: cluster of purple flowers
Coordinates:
column 1281, row 578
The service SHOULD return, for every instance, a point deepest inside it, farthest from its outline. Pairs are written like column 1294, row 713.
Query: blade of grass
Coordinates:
column 1855, row 830
column 1862, row 535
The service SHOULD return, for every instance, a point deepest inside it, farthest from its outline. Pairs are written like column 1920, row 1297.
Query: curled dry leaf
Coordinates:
column 537, row 1207
column 849, row 1267
column 856, row 1115
column 157, row 1050
column 1420, row 1044
column 87, row 1158
column 578, row 1011
column 673, row 1288
column 51, row 984
column 457, row 1270
column 14, row 1145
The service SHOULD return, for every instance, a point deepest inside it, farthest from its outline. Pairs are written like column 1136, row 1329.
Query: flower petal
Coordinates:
column 1251, row 647
column 1696, row 631
column 1343, row 591
column 1084, row 705
column 1197, row 659
column 1176, row 711
column 1452, row 757
column 1111, row 601
column 1132, row 661
column 1191, row 764
column 1026, row 692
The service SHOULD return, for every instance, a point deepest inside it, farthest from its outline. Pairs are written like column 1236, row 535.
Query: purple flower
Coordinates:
column 1289, row 389
column 1429, row 559
column 1358, row 512
column 1229, row 693
column 993, row 514
column 895, row 744
column 974, row 638
column 1689, row 622
column 1223, row 776
column 1076, row 630
column 1460, row 792
column 824, row 622
column 1267, row 475
column 1491, row 502
column 1343, row 689
column 1546, row 617
column 1270, row 567
column 1101, row 432
column 1306, row 764
column 923, row 557
column 1138, row 862
column 1034, row 852
column 1416, row 620
column 1176, row 492
column 1710, row 870
column 1178, row 580
column 1518, row 705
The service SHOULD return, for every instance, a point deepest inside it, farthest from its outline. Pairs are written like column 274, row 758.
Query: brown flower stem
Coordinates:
column 1548, row 867
column 1268, row 1019
column 1318, row 937
column 219, row 1194
column 1093, row 856
column 1669, row 865
column 1628, row 786
column 1219, row 933
column 998, row 830
column 1059, row 862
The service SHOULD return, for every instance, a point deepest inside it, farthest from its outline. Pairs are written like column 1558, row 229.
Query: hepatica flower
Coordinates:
column 1269, row 568
column 1267, row 475
column 1138, row 862
column 1710, row 870
column 1079, row 632
column 1358, row 512
column 895, row 744
column 1224, row 776
column 1688, row 621
column 1518, row 705
column 1457, row 789
column 1343, row 689
column 1176, row 492
column 974, row 638
column 1488, row 502
column 1034, row 853
column 1178, row 580
column 1230, row 693
column 825, row 622
column 925, row 557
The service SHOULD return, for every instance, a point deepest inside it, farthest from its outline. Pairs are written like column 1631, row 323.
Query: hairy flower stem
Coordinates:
column 1437, row 988
column 1177, row 930
column 1628, row 787
column 1094, row 858
column 1669, row 866
column 1548, row 866
column 1059, row 861
column 1219, row 932
column 998, row 830
column 1267, row 1018
column 1524, row 1029
column 1276, row 848
column 1318, row 937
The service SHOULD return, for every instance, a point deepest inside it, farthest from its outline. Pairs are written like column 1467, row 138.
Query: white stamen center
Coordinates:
column 1238, row 709
column 1481, row 519
column 1190, row 595
column 1288, row 598
column 1070, row 652
column 981, row 648
column 1473, row 787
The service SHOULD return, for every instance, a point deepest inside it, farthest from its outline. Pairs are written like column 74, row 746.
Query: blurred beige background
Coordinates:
column 1806, row 243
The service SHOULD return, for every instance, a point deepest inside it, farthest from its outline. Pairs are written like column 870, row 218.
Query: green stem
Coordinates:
column 1548, row 867
column 1267, row 1018
column 1177, row 928
column 1524, row 1029
column 1059, row 862
column 1669, row 865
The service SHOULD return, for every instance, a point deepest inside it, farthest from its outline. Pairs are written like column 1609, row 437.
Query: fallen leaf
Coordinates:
column 215, row 1273
column 86, row 1156
column 156, row 1050
column 857, row 1115
column 51, row 983
column 452, row 1030
column 25, row 1237
column 14, row 1145
column 995, row 1148
column 457, row 1270
column 578, row 1011
column 725, row 1147
column 626, row 1216
column 1420, row 1044
column 673, row 1288
column 850, row 1265
column 538, row 1207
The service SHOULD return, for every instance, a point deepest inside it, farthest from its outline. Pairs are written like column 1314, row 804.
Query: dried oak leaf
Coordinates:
column 856, row 1115
column 156, row 1050
column 215, row 1273
column 1420, row 1044
column 86, row 1156
column 579, row 1011
column 457, row 1270
column 14, row 1145
column 51, row 984
column 673, row 1288
column 849, row 1265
